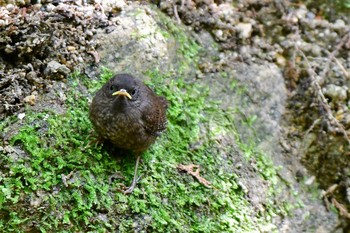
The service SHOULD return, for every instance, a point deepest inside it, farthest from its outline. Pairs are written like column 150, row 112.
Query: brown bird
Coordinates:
column 128, row 114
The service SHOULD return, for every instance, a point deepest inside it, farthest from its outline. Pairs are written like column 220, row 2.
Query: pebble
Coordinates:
column 244, row 29
column 301, row 12
column 339, row 23
column 30, row 99
column 71, row 48
column 335, row 92
column 219, row 33
column 10, row 7
column 50, row 7
column 310, row 15
column 21, row 116
column 55, row 68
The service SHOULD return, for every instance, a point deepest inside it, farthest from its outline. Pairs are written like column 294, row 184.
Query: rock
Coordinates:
column 136, row 31
column 335, row 92
column 55, row 70
column 280, row 60
column 218, row 33
column 21, row 116
column 50, row 7
column 30, row 99
column 301, row 12
column 10, row 7
column 339, row 23
column 32, row 77
column 71, row 48
column 244, row 29
column 112, row 5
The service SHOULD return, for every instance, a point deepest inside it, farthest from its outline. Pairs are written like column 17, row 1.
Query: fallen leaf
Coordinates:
column 194, row 170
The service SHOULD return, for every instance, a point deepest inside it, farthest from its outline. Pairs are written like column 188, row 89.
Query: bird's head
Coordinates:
column 123, row 90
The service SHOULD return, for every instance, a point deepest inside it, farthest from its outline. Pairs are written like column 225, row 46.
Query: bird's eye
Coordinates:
column 133, row 92
column 113, row 87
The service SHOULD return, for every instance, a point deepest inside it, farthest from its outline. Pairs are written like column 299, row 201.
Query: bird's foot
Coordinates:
column 130, row 189
column 96, row 140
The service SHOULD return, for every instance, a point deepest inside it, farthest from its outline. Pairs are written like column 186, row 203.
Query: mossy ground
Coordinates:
column 64, row 183
column 56, row 180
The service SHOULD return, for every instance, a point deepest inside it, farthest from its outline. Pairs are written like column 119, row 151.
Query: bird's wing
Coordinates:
column 155, row 120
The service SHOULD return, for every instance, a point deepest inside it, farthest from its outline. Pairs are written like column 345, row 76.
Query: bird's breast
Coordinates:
column 126, row 130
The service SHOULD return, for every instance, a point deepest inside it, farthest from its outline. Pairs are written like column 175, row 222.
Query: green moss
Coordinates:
column 74, row 176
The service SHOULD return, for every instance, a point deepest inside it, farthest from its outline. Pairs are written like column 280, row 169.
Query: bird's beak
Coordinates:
column 122, row 92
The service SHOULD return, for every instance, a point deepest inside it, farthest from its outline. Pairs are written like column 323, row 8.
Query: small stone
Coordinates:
column 244, row 29
column 335, row 92
column 339, row 23
column 346, row 120
column 56, row 70
column 219, row 33
column 70, row 48
column 310, row 180
column 294, row 19
column 10, row 7
column 301, row 12
column 310, row 15
column 9, row 49
column 50, row 7
column 31, row 76
column 30, row 99
column 89, row 33
column 348, row 194
column 21, row 116
column 280, row 60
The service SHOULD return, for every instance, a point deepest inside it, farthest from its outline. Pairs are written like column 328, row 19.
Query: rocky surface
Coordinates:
column 43, row 43
column 291, row 63
column 313, row 54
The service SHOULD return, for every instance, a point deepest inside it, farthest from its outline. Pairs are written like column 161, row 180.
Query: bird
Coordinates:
column 129, row 115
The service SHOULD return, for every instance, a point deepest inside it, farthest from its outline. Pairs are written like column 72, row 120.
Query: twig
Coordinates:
column 321, row 96
column 329, row 194
column 66, row 177
column 346, row 74
column 333, row 54
column 312, row 126
column 193, row 170
column 342, row 209
column 176, row 14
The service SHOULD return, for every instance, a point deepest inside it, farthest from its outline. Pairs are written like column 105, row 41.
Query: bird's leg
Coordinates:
column 135, row 179
column 98, row 140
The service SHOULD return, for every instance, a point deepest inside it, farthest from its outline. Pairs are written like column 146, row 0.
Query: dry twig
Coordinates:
column 321, row 96
column 332, row 57
column 66, row 177
column 342, row 209
column 329, row 194
column 176, row 14
column 194, row 170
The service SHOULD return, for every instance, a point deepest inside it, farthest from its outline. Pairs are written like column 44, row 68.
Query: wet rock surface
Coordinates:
column 299, row 103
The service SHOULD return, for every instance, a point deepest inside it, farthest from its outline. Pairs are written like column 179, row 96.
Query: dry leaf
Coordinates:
column 193, row 170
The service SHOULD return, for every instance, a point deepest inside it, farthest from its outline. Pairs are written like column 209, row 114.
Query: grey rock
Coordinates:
column 55, row 70
column 335, row 92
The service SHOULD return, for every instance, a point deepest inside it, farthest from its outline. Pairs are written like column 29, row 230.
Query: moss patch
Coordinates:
column 66, row 183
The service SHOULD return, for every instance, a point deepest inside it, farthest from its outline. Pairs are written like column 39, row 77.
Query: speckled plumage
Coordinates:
column 131, row 124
